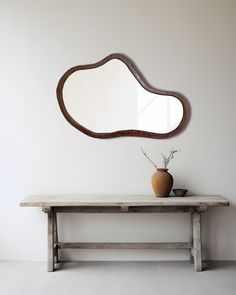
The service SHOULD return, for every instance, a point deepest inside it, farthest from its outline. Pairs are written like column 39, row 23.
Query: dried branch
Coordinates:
column 166, row 160
column 145, row 154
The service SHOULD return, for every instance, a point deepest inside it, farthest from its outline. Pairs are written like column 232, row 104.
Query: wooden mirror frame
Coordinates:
column 143, row 82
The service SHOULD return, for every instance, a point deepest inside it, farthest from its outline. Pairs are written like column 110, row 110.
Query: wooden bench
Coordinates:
column 195, row 205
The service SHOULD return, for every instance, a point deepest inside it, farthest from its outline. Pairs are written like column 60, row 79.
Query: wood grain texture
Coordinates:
column 197, row 241
column 55, row 233
column 117, row 209
column 121, row 201
column 50, row 241
column 191, row 257
column 170, row 245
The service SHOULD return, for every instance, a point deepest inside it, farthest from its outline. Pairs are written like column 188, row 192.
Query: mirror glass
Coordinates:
column 109, row 98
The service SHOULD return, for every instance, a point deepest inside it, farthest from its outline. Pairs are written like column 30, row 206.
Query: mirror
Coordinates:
column 111, row 98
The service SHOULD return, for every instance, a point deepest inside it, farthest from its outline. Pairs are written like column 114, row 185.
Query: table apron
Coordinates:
column 124, row 209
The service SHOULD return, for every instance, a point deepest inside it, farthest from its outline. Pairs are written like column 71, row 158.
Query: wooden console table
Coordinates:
column 195, row 205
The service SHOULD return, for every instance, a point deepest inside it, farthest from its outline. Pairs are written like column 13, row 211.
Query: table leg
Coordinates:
column 55, row 232
column 50, row 239
column 197, row 241
column 191, row 258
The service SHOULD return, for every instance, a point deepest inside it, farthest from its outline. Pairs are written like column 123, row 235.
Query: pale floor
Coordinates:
column 121, row 278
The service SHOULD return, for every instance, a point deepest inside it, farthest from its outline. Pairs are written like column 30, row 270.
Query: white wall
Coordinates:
column 182, row 45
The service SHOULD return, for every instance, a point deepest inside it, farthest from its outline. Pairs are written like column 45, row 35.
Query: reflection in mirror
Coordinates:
column 111, row 98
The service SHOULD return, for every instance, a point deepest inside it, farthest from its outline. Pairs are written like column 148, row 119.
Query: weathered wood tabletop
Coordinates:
column 121, row 200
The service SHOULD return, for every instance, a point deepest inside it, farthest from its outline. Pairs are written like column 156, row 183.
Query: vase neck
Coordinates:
column 162, row 169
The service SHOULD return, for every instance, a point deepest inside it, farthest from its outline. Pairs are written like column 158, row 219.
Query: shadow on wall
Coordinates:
column 216, row 222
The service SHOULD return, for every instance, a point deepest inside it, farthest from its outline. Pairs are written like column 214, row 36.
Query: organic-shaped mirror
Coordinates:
column 111, row 98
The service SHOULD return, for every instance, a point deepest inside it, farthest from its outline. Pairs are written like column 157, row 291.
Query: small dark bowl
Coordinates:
column 179, row 192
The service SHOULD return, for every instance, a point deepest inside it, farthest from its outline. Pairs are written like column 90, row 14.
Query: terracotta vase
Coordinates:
column 162, row 182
